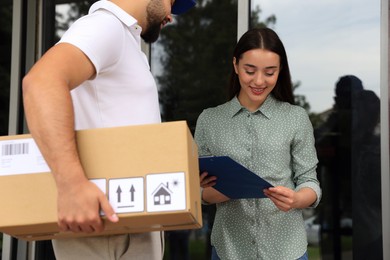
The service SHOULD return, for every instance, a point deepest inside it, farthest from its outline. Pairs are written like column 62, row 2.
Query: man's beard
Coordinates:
column 152, row 33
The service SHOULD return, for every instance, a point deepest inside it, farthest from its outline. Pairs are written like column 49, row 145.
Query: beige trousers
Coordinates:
column 145, row 246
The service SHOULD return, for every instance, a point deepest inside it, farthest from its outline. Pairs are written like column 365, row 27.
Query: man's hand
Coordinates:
column 79, row 208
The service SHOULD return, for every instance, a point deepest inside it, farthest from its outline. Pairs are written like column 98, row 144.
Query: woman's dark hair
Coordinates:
column 267, row 39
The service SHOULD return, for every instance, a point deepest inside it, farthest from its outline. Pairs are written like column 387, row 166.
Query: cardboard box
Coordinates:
column 150, row 174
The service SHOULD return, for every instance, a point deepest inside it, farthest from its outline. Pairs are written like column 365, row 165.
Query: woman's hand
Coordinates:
column 207, row 181
column 286, row 199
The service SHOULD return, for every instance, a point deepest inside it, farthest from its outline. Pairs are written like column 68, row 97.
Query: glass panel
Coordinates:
column 192, row 62
column 5, row 63
column 334, row 56
column 193, row 57
column 5, row 69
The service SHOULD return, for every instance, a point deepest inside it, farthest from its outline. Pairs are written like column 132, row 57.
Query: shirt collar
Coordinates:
column 234, row 107
column 124, row 17
column 267, row 108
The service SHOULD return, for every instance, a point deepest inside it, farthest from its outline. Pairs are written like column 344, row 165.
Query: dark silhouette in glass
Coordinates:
column 348, row 147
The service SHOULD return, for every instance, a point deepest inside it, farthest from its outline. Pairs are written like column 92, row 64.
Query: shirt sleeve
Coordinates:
column 97, row 35
column 201, row 141
column 304, row 156
column 200, row 135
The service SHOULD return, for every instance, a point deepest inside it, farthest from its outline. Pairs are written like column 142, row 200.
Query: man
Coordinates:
column 96, row 76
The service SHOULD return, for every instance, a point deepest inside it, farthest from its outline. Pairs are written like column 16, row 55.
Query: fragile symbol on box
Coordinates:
column 126, row 195
column 166, row 192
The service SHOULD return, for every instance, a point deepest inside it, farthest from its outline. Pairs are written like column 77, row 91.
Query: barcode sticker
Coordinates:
column 14, row 149
column 21, row 156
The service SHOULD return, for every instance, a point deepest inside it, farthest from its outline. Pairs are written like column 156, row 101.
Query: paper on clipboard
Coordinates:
column 234, row 180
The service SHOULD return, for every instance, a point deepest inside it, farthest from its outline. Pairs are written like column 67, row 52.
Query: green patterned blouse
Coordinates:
column 277, row 143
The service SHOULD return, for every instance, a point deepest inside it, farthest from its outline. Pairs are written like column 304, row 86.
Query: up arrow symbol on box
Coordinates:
column 119, row 191
column 123, row 197
column 132, row 190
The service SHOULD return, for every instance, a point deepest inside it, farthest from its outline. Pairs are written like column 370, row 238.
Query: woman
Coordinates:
column 262, row 129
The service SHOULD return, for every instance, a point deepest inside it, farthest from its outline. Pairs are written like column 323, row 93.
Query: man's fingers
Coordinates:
column 63, row 226
column 108, row 210
column 81, row 226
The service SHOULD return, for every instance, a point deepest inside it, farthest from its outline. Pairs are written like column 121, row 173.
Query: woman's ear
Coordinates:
column 235, row 65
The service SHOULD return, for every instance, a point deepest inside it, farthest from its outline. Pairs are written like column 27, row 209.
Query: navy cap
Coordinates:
column 181, row 6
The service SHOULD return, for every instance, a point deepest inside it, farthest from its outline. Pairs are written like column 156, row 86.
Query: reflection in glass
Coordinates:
column 192, row 61
column 366, row 176
column 348, row 146
column 334, row 57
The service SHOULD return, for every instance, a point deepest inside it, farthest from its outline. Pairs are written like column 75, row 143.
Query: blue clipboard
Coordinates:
column 233, row 180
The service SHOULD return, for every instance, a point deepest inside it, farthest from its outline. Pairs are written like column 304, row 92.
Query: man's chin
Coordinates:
column 151, row 35
column 149, row 39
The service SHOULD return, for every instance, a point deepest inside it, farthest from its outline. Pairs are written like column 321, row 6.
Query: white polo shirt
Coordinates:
column 123, row 91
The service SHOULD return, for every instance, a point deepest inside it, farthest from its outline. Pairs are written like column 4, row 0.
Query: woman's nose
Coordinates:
column 259, row 79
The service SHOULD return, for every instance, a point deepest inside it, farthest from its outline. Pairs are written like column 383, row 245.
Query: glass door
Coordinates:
column 334, row 55
column 191, row 62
